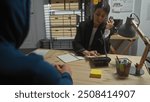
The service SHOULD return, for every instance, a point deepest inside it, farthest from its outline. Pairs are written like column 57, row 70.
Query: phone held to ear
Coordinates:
column 111, row 18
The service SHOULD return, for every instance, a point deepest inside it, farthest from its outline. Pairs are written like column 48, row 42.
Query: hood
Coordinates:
column 14, row 21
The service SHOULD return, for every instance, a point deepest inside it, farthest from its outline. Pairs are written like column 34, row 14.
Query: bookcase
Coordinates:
column 64, row 25
column 61, row 20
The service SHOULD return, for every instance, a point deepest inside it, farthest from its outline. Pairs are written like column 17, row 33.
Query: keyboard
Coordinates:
column 100, row 61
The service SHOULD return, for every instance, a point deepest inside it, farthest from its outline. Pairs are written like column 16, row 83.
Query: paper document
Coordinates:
column 78, row 57
column 41, row 52
column 69, row 57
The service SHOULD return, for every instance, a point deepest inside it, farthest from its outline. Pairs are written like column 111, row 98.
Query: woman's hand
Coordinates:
column 63, row 68
column 110, row 24
column 89, row 53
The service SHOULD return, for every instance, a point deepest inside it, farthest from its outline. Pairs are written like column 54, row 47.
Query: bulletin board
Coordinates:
column 122, row 5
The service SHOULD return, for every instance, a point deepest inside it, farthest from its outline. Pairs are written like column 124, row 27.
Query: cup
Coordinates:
column 123, row 67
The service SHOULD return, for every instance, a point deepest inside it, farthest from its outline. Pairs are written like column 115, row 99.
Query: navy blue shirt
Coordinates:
column 15, row 66
column 18, row 68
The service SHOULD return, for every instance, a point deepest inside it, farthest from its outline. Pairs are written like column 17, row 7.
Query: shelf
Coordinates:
column 64, row 17
column 64, row 1
column 64, row 12
column 63, row 26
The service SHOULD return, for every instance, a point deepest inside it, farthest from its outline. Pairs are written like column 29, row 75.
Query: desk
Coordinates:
column 81, row 71
column 121, row 38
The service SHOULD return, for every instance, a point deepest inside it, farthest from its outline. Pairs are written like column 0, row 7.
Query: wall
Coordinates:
column 46, row 1
column 120, row 15
column 37, row 28
column 40, row 19
column 145, row 23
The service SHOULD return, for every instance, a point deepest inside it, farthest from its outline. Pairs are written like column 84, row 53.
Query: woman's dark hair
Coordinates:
column 103, row 5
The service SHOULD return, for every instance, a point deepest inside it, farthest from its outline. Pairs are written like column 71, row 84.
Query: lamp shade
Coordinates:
column 126, row 29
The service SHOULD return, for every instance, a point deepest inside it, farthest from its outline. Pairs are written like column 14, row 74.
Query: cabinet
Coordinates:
column 61, row 19
column 63, row 25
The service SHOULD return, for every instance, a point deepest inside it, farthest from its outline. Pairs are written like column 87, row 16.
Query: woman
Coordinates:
column 93, row 35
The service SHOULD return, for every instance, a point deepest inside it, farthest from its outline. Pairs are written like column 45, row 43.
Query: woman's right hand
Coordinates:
column 87, row 53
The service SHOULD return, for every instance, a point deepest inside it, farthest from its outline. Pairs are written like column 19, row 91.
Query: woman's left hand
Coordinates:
column 110, row 24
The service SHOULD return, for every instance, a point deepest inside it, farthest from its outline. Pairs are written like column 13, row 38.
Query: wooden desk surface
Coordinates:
column 81, row 71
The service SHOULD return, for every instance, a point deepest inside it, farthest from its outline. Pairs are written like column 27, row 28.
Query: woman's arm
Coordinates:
column 77, row 42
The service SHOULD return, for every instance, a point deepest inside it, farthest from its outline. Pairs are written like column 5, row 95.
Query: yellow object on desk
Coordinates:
column 95, row 73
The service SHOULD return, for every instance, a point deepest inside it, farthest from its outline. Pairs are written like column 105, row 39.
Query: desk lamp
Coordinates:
column 129, row 29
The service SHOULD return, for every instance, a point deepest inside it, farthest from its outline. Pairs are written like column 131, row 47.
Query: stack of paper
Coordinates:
column 41, row 52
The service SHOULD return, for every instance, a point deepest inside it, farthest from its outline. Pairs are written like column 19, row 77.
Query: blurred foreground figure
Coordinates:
column 15, row 66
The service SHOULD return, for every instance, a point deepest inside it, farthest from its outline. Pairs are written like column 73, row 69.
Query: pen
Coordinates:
column 117, row 59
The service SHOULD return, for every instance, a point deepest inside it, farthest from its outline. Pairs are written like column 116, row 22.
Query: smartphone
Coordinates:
column 111, row 18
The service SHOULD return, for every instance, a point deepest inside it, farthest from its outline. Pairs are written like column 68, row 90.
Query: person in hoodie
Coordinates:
column 92, row 36
column 16, row 67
